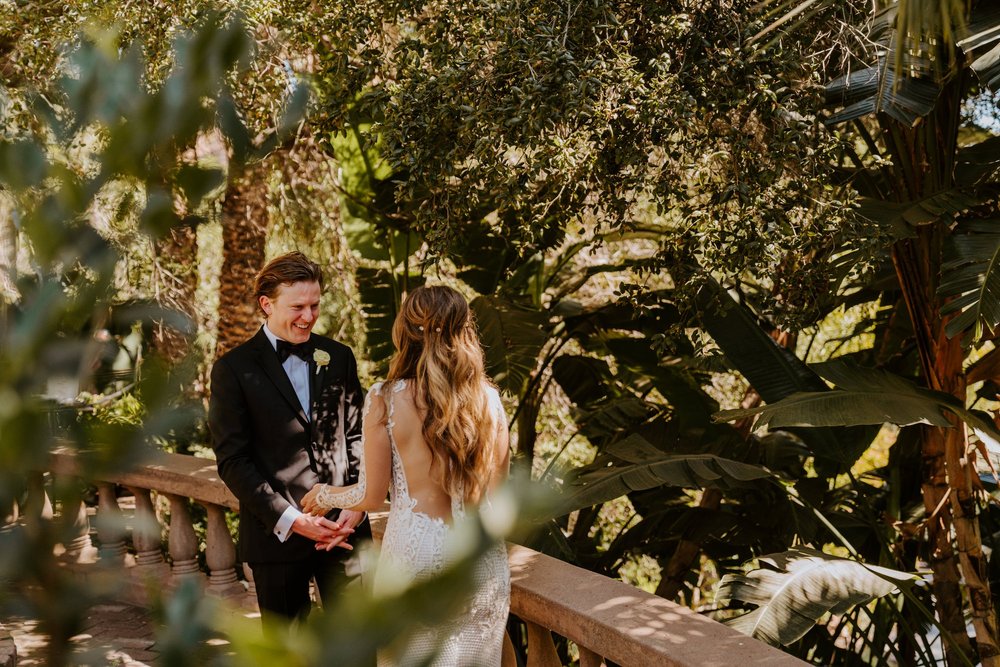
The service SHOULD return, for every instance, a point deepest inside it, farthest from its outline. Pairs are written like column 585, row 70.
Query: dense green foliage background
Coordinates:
column 659, row 210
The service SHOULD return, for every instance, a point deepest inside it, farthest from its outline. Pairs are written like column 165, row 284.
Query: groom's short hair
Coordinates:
column 293, row 267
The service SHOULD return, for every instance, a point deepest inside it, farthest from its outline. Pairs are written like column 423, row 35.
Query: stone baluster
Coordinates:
column 80, row 549
column 541, row 648
column 182, row 543
column 37, row 506
column 590, row 659
column 110, row 525
column 220, row 555
column 12, row 515
column 146, row 532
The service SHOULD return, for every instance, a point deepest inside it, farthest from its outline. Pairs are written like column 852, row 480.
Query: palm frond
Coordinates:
column 898, row 217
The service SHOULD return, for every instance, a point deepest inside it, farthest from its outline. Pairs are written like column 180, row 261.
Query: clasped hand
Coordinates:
column 328, row 534
column 310, row 503
column 325, row 533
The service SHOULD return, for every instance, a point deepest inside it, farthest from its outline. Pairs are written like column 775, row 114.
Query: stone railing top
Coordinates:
column 176, row 474
column 626, row 624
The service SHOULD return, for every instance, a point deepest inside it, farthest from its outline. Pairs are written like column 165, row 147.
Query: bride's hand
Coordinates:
column 310, row 505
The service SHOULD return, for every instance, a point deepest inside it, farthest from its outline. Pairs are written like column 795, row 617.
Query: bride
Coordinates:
column 434, row 436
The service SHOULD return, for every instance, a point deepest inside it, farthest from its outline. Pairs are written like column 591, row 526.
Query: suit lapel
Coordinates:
column 268, row 361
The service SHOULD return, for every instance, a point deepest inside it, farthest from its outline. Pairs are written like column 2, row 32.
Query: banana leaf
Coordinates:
column 900, row 216
column 380, row 300
column 775, row 373
column 978, row 164
column 512, row 338
column 877, row 89
column 793, row 590
column 482, row 258
column 970, row 279
column 634, row 464
column 869, row 396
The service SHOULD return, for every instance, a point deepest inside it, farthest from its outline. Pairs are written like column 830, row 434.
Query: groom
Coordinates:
column 285, row 414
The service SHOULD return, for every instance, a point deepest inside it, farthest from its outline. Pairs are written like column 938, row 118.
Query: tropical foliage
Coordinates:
column 659, row 212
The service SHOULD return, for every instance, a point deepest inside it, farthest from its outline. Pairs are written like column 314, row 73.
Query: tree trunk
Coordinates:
column 245, row 224
column 913, row 262
column 175, row 277
column 175, row 283
column 923, row 158
column 965, row 511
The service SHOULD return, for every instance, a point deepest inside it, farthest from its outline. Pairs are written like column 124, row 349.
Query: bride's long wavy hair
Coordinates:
column 437, row 347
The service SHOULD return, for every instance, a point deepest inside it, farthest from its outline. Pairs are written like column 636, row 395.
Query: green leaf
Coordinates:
column 380, row 301
column 866, row 396
column 634, row 464
column 512, row 338
column 899, row 216
column 774, row 372
column 22, row 164
column 370, row 216
column 482, row 258
column 794, row 589
column 979, row 163
column 877, row 89
column 981, row 44
column 869, row 396
column 970, row 279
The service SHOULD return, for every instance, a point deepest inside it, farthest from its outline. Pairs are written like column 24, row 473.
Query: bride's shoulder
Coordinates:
column 493, row 396
column 380, row 389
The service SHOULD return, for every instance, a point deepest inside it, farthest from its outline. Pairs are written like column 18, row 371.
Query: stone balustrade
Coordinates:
column 606, row 619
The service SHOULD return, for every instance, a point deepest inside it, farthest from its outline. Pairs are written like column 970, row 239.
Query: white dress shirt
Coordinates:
column 297, row 371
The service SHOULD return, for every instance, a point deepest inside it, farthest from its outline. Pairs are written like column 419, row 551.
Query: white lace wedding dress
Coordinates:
column 413, row 547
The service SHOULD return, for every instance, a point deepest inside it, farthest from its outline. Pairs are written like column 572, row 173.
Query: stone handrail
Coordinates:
column 607, row 619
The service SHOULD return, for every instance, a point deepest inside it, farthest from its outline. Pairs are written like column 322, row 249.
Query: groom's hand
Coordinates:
column 321, row 530
column 348, row 519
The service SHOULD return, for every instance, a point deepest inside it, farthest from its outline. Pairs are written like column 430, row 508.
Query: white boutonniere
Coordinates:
column 322, row 358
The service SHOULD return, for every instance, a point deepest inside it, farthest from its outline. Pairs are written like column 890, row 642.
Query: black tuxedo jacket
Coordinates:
column 268, row 453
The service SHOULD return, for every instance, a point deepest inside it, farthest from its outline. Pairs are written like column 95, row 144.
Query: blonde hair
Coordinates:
column 437, row 347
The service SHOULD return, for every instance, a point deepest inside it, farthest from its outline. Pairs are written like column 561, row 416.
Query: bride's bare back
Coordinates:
column 425, row 487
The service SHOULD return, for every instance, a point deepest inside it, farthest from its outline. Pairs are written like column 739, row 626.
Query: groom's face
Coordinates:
column 292, row 312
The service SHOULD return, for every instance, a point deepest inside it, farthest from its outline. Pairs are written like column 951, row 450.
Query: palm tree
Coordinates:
column 245, row 225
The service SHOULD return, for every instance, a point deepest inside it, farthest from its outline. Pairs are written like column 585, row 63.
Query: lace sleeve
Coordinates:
column 347, row 497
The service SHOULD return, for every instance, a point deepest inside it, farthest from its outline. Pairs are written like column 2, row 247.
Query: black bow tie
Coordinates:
column 301, row 350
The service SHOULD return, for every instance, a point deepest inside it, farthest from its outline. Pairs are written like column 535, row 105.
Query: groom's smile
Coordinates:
column 292, row 313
